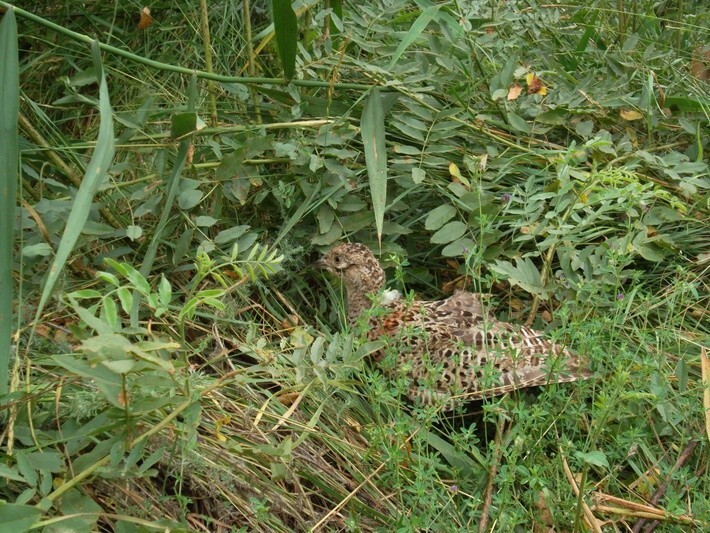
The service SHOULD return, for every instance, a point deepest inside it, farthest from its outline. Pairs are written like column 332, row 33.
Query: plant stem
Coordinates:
column 207, row 41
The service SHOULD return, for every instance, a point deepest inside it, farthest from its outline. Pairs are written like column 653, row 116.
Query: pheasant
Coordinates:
column 449, row 349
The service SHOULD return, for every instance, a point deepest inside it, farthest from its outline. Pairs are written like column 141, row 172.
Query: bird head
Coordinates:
column 356, row 265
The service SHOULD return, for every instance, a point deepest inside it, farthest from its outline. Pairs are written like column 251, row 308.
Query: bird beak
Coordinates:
column 320, row 264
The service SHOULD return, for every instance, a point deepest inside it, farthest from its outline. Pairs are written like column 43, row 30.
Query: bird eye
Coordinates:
column 336, row 259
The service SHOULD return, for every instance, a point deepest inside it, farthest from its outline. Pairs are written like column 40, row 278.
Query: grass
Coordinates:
column 190, row 371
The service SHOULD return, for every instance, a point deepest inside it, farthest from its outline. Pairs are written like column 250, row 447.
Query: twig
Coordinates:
column 705, row 372
column 588, row 515
column 629, row 508
column 661, row 491
column 488, row 495
column 655, row 516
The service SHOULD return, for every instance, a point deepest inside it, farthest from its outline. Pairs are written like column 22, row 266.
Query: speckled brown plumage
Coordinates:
column 448, row 348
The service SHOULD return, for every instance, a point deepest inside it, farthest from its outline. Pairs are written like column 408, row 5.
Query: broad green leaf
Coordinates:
column 450, row 232
column 100, row 376
column 232, row 164
column 26, row 469
column 94, row 177
column 81, row 512
column 414, row 31
column 518, row 123
column 165, row 291
column 231, row 234
column 41, row 249
column 18, row 518
column 189, row 199
column 524, row 274
column 86, row 294
column 47, row 461
column 134, row 276
column 89, row 319
column 9, row 111
column 286, row 30
column 688, row 104
column 325, row 217
column 418, row 175
column 329, row 237
column 204, row 221
column 185, row 124
column 458, row 248
column 110, row 313
column 596, row 458
column 134, row 232
column 475, row 200
column 121, row 366
column 439, row 216
column 337, row 7
column 372, row 129
column 10, row 474
column 126, row 298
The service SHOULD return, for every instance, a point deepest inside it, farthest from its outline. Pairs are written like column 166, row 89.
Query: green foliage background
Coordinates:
column 189, row 370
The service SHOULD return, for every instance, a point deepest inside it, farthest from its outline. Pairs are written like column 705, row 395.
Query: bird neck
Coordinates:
column 360, row 292
column 357, row 303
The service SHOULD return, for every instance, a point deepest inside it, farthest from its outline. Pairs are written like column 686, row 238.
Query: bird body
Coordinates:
column 452, row 347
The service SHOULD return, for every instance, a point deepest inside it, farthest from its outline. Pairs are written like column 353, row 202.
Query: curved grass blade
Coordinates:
column 286, row 29
column 415, row 31
column 372, row 129
column 9, row 111
column 94, row 176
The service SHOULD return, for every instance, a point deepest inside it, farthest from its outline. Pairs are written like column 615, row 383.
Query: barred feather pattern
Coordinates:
column 450, row 349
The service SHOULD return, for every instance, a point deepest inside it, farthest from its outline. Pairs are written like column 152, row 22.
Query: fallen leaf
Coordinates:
column 287, row 398
column 146, row 20
column 630, row 114
column 44, row 330
column 535, row 85
column 290, row 322
column 514, row 91
column 700, row 65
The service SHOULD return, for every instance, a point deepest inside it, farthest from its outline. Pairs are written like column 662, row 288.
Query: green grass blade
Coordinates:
column 415, row 31
column 9, row 110
column 286, row 29
column 94, row 176
column 372, row 128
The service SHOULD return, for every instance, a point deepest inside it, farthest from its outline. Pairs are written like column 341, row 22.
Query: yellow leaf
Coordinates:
column 630, row 114
column 535, row 85
column 219, row 423
column 456, row 174
column 454, row 170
